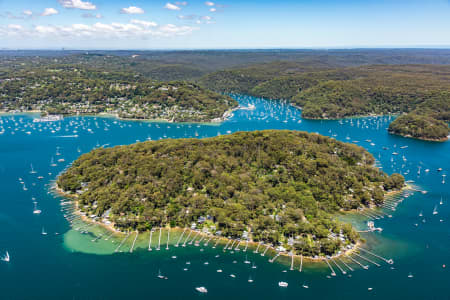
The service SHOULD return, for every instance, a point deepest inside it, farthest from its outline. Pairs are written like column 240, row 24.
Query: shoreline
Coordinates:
column 387, row 194
column 225, row 117
column 442, row 140
column 251, row 243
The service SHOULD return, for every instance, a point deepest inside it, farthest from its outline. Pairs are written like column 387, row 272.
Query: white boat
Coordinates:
column 232, row 276
column 305, row 286
column 6, row 258
column 201, row 289
column 282, row 284
column 32, row 170
column 246, row 261
column 43, row 231
column 250, row 279
column 52, row 163
column 441, row 202
column 410, row 275
column 161, row 276
column 435, row 212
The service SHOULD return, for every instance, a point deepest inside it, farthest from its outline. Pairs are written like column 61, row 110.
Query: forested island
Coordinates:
column 325, row 92
column 419, row 126
column 279, row 187
column 71, row 89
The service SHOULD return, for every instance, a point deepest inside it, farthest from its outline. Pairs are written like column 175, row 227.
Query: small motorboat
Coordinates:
column 201, row 289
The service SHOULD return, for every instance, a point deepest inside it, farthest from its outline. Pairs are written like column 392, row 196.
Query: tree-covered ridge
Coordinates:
column 279, row 186
column 419, row 126
column 68, row 89
column 331, row 93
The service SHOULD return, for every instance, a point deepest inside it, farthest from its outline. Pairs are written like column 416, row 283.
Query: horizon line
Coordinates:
column 418, row 47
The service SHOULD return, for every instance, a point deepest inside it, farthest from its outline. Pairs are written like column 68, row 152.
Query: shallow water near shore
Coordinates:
column 70, row 265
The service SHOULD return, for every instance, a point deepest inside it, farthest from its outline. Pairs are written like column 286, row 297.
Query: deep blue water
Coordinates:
column 44, row 267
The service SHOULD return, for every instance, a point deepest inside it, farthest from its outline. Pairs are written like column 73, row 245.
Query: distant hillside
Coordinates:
column 331, row 93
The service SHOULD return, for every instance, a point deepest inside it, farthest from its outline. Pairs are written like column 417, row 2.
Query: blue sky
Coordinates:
column 154, row 24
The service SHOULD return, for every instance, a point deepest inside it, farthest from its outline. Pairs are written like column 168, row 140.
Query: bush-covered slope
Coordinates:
column 272, row 184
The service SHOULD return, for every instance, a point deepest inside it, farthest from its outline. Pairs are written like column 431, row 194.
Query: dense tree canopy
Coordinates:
column 272, row 184
column 70, row 89
column 419, row 126
column 326, row 92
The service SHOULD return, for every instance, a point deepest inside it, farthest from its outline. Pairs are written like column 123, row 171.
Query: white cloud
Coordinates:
column 49, row 12
column 132, row 10
column 171, row 6
column 173, row 30
column 209, row 3
column 133, row 29
column 187, row 17
column 92, row 16
column 145, row 24
column 85, row 5
column 213, row 9
column 182, row 3
column 28, row 12
column 45, row 29
column 15, row 27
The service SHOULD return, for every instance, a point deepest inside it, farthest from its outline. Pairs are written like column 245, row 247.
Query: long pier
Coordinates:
column 225, row 248
column 231, row 246
column 264, row 253
column 195, row 236
column 345, row 264
column 179, row 239
column 107, row 238
column 159, row 239
column 134, row 242
column 388, row 261
column 365, row 267
column 237, row 246
column 197, row 243
column 301, row 263
column 150, row 240
column 121, row 243
column 98, row 237
column 184, row 244
column 217, row 242
column 207, row 242
column 331, row 268
column 256, row 251
column 168, row 237
column 275, row 257
column 369, row 260
column 339, row 267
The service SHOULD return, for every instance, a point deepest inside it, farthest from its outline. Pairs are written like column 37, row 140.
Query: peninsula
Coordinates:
column 278, row 187
column 332, row 92
column 70, row 90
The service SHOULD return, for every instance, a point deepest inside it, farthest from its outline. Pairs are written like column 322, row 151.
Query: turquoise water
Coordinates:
column 68, row 265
